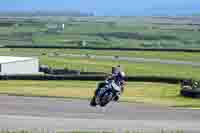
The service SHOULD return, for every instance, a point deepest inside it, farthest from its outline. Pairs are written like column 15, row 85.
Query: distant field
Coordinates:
column 148, row 69
column 183, row 56
column 153, row 93
column 97, row 65
column 110, row 32
column 125, row 32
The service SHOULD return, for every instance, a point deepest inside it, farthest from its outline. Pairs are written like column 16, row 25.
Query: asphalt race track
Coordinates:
column 57, row 114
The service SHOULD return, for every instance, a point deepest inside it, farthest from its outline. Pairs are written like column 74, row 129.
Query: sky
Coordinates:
column 106, row 7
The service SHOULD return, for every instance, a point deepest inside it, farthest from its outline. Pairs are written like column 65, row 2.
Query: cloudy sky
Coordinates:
column 106, row 7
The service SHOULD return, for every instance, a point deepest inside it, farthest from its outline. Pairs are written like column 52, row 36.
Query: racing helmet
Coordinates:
column 121, row 75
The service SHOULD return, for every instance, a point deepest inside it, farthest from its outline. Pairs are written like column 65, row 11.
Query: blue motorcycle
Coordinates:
column 105, row 93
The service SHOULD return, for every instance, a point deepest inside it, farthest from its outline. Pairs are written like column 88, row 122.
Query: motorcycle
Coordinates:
column 105, row 94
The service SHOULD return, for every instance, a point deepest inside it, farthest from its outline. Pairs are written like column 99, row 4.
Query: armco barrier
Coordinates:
column 172, row 80
column 95, row 48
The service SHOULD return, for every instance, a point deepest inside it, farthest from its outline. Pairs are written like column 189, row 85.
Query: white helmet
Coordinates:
column 122, row 74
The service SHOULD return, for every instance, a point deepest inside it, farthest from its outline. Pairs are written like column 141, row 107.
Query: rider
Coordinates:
column 117, row 76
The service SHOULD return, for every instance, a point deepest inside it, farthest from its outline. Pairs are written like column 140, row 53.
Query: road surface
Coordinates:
column 57, row 114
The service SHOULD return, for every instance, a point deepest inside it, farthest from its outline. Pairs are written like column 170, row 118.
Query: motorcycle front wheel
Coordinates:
column 93, row 101
column 106, row 98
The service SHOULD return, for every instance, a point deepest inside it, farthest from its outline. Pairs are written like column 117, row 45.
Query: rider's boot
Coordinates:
column 93, row 102
column 116, row 97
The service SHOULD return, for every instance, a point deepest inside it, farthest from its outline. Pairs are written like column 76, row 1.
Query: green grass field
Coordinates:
column 148, row 69
column 97, row 65
column 183, row 56
column 152, row 93
column 151, row 35
column 115, row 32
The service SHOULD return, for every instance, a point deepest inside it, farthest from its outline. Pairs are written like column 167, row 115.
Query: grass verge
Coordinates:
column 183, row 56
column 147, row 69
column 97, row 65
column 152, row 93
